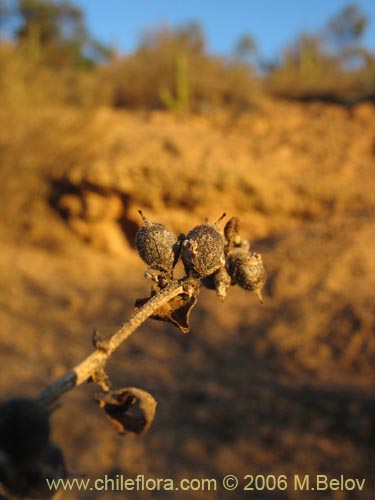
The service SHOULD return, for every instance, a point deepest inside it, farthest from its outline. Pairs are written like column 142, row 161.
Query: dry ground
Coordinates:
column 280, row 388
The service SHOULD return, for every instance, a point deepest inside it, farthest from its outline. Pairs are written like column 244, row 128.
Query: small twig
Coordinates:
column 94, row 364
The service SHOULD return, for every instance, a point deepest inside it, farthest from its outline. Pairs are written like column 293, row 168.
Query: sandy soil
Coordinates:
column 280, row 388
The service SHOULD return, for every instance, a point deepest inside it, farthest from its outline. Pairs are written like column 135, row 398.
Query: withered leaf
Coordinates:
column 176, row 311
column 130, row 410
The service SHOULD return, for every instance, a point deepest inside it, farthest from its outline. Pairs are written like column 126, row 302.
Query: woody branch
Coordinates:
column 92, row 368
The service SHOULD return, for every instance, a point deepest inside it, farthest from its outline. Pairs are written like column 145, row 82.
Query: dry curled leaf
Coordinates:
column 176, row 311
column 128, row 409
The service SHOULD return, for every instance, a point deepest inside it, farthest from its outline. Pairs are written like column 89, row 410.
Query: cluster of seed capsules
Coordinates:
column 217, row 258
column 27, row 457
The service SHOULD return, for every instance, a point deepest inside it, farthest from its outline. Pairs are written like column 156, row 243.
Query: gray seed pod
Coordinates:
column 202, row 251
column 247, row 270
column 157, row 246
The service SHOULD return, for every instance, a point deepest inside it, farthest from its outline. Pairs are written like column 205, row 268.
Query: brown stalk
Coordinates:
column 92, row 368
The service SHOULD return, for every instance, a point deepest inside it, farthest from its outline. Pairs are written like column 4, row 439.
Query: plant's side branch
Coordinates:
column 94, row 364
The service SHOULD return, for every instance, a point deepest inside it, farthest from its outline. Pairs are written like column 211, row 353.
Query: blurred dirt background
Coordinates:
column 89, row 136
column 280, row 388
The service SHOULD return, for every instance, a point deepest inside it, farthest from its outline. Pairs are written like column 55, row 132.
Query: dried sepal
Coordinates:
column 177, row 310
column 129, row 410
column 219, row 281
column 231, row 230
column 233, row 238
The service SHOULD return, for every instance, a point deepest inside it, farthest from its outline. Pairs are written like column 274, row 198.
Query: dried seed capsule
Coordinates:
column 202, row 251
column 157, row 246
column 247, row 270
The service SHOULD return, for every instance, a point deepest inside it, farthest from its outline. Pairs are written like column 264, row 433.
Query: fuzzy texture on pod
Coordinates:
column 247, row 270
column 202, row 251
column 24, row 429
column 157, row 246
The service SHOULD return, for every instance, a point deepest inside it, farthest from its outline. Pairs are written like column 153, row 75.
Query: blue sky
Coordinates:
column 273, row 23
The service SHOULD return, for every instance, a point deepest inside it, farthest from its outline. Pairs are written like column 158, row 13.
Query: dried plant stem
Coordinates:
column 93, row 366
